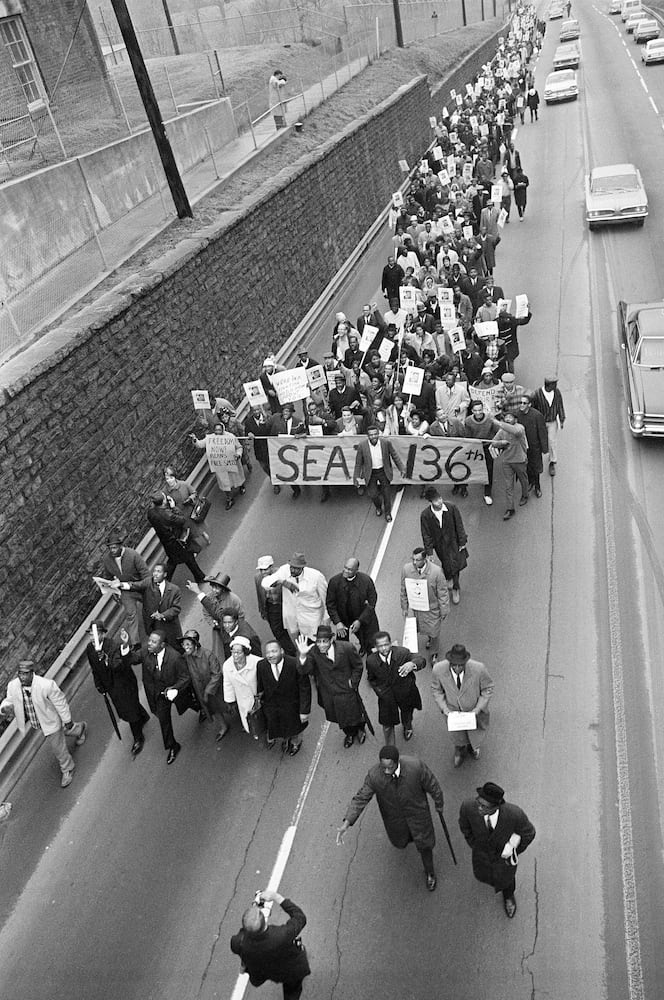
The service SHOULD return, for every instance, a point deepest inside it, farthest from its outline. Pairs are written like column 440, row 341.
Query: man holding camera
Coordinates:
column 273, row 953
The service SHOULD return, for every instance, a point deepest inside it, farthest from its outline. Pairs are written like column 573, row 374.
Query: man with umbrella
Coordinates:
column 115, row 679
column 401, row 786
column 337, row 669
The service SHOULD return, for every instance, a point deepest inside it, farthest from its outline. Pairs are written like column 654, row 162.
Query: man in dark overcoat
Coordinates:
column 497, row 832
column 165, row 678
column 113, row 676
column 337, row 669
column 273, row 952
column 351, row 604
column 206, row 679
column 391, row 673
column 168, row 525
column 537, row 437
column 162, row 603
column 443, row 532
column 286, row 697
column 401, row 786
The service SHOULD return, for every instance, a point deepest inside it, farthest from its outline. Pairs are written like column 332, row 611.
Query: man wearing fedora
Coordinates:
column 206, row 679
column 221, row 598
column 401, row 785
column 114, row 676
column 303, row 592
column 497, row 832
column 459, row 684
column 337, row 669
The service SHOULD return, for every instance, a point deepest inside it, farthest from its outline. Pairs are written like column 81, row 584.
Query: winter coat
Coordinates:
column 446, row 539
column 337, row 682
column 284, row 700
column 476, row 690
column 487, row 845
column 394, row 692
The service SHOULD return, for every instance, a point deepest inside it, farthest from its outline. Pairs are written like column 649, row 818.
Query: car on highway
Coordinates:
column 555, row 11
column 614, row 6
column 641, row 331
column 645, row 31
column 569, row 30
column 635, row 19
column 566, row 56
column 653, row 51
column 561, row 85
column 629, row 7
column 615, row 194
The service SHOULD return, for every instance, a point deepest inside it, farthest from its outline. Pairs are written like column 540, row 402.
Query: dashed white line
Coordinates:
column 654, row 106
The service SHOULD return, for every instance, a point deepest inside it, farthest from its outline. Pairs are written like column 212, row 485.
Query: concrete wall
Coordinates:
column 43, row 216
column 92, row 411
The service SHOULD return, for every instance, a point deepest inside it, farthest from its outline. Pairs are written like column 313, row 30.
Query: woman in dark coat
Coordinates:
column 115, row 677
column 286, row 700
column 521, row 183
column 447, row 538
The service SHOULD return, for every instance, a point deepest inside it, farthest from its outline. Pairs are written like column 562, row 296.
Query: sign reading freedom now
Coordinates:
column 331, row 460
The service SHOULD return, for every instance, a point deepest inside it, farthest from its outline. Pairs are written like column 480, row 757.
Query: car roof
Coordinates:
column 655, row 43
column 567, row 47
column 650, row 21
column 651, row 320
column 614, row 168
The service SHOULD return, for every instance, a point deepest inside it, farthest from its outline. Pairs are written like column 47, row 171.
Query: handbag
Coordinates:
column 200, row 510
column 256, row 721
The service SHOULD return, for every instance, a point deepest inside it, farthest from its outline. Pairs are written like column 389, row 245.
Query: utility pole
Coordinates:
column 144, row 84
column 169, row 22
column 397, row 23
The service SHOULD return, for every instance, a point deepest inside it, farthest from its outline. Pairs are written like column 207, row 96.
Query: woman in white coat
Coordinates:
column 240, row 677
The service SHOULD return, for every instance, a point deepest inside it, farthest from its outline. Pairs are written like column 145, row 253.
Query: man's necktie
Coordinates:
column 458, row 680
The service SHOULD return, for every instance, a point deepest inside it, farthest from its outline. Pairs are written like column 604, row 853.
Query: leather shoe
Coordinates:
column 137, row 747
column 552, row 468
column 538, row 492
column 348, row 742
column 475, row 751
column 432, row 882
column 456, row 597
column 508, row 514
column 523, row 501
column 509, row 903
column 388, row 518
column 458, row 758
column 361, row 736
column 407, row 734
column 379, row 511
column 172, row 754
column 293, row 749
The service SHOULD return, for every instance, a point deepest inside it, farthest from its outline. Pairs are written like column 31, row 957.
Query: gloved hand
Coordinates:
column 171, row 693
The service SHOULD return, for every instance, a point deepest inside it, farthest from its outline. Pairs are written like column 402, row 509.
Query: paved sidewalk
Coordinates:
column 64, row 285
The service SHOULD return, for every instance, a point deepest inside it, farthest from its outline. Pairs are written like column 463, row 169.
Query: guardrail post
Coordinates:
column 251, row 124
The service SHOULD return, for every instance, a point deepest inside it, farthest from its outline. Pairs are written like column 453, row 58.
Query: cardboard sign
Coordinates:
column 448, row 316
column 385, row 349
column 201, row 399
column 457, row 338
column 484, row 129
column 453, row 140
column 521, row 306
column 412, row 382
column 496, row 193
column 417, row 592
column 444, row 177
column 333, row 376
column 467, row 232
column 291, row 385
column 408, row 298
column 316, row 376
column 474, row 124
column 503, row 305
column 460, row 722
column 469, row 89
column 437, row 153
column 221, row 452
column 519, row 102
column 445, row 295
column 445, row 112
column 453, row 94
column 409, row 640
column 368, row 336
column 446, row 225
column 487, row 330
column 397, row 199
column 502, row 218
column 467, row 172
column 432, row 121
column 488, row 397
column 459, row 100
column 403, row 166
column 255, row 393
column 451, row 160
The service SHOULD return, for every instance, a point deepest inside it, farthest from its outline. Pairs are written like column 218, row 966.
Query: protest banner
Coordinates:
column 201, row 399
column 316, row 376
column 331, row 460
column 291, row 385
column 255, row 393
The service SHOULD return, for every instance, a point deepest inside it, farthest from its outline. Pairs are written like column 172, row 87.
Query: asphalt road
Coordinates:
column 129, row 883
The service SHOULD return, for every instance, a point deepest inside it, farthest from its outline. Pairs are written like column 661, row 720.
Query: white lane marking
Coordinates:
column 643, row 84
column 286, row 845
column 654, row 106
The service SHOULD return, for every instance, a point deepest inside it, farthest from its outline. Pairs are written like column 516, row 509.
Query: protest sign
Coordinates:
column 458, row 339
column 459, row 100
column 417, row 593
column 437, row 153
column 408, row 298
column 484, row 129
column 503, row 305
column 316, row 376
column 432, row 121
column 445, row 113
column 255, row 393
column 201, row 399
column 221, row 452
column 502, row 218
column 496, row 193
column 444, row 177
column 412, row 381
column 486, row 330
column 397, row 199
column 445, row 295
column 453, row 94
column 368, row 335
column 385, row 349
column 467, row 172
column 467, row 232
column 291, row 385
column 521, row 306
column 448, row 317
column 488, row 397
column 403, row 166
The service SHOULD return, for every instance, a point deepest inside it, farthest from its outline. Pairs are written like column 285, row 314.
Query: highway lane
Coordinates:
column 139, row 888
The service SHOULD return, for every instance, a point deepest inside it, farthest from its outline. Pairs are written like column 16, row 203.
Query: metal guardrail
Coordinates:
column 16, row 749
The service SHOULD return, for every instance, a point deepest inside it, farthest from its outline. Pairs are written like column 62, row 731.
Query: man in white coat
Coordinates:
column 304, row 591
column 38, row 703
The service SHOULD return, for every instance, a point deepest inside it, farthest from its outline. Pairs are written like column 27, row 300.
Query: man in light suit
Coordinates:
column 165, row 678
column 459, row 684
column 128, row 566
column 162, row 603
column 38, row 703
column 373, row 464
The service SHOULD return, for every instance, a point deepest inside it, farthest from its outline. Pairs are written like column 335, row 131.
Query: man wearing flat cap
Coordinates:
column 401, row 785
column 337, row 669
column 303, row 593
column 497, row 832
column 459, row 684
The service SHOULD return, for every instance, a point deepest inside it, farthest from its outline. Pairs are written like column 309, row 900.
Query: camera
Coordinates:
column 258, row 899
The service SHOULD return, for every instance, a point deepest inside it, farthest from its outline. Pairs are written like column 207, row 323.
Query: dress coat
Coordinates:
column 206, row 679
column 446, row 539
column 394, row 692
column 273, row 954
column 114, row 676
column 169, row 605
column 241, row 686
column 474, row 695
column 284, row 700
column 337, row 682
column 51, row 706
column 354, row 600
column 214, row 605
column 363, row 467
column 403, row 802
column 487, row 845
column 428, row 622
column 537, row 437
column 173, row 674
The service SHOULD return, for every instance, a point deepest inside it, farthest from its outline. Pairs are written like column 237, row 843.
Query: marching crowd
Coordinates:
column 447, row 316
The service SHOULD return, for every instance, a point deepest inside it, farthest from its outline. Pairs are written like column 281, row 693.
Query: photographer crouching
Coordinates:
column 274, row 953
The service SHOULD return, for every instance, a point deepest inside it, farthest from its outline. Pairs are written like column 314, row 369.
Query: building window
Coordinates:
column 12, row 33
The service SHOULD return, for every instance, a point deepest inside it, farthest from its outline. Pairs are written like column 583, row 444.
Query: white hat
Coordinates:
column 240, row 640
column 264, row 562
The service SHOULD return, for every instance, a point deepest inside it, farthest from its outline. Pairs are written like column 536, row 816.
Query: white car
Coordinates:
column 653, row 51
column 630, row 7
column 614, row 6
column 645, row 31
column 561, row 86
column 555, row 12
column 569, row 30
column 634, row 19
column 566, row 56
column 615, row 194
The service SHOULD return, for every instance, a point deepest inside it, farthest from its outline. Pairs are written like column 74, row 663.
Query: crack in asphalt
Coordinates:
column 341, row 910
column 231, row 898
column 528, row 955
